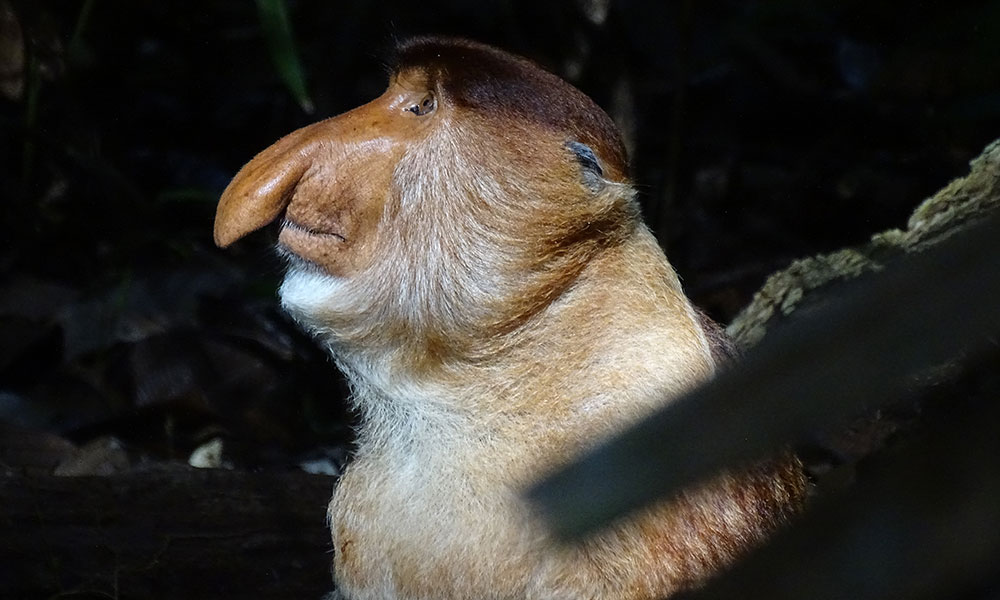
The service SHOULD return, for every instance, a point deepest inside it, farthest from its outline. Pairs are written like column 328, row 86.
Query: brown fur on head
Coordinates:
column 469, row 248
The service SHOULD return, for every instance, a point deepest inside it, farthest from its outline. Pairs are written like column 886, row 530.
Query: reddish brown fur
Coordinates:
column 491, row 292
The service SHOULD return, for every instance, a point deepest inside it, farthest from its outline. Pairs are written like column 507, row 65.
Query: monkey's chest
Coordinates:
column 437, row 529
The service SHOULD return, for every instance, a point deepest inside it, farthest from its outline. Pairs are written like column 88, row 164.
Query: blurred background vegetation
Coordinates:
column 759, row 132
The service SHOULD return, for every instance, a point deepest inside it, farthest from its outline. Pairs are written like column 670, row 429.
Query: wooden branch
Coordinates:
column 165, row 533
column 806, row 282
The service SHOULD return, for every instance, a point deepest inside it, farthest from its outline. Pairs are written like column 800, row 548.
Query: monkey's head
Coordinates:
column 450, row 209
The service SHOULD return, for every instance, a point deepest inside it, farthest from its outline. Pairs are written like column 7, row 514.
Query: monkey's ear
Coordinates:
column 591, row 171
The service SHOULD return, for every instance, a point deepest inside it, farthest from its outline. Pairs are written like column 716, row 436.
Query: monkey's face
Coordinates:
column 450, row 208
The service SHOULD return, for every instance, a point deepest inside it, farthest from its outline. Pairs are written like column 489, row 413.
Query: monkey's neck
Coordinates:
column 607, row 351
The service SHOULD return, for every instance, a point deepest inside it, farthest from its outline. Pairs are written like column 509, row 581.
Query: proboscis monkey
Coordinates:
column 470, row 250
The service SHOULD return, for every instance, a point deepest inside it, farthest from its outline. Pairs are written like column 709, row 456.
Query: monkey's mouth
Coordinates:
column 313, row 245
column 297, row 229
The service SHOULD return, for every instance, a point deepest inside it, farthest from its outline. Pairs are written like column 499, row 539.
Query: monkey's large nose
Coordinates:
column 330, row 168
column 263, row 188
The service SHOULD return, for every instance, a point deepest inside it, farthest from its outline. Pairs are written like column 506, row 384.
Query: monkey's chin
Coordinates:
column 308, row 293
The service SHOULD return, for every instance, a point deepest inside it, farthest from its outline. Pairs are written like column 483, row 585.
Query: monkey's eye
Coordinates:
column 426, row 105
